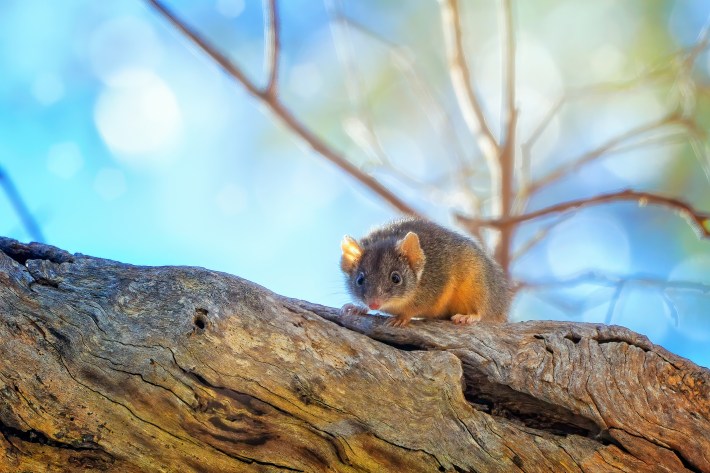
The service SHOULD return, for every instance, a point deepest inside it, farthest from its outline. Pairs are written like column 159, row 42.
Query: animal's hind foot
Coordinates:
column 465, row 319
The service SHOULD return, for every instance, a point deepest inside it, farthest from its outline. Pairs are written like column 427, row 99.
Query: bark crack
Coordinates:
column 687, row 464
column 643, row 417
column 38, row 437
column 140, row 375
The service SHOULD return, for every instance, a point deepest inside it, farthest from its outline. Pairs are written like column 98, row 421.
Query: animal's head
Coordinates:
column 385, row 274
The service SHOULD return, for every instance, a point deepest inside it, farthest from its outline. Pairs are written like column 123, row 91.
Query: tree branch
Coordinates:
column 678, row 137
column 701, row 151
column 177, row 375
column 506, row 156
column 525, row 171
column 619, row 284
column 361, row 129
column 701, row 43
column 427, row 98
column 272, row 45
column 670, row 63
column 509, row 68
column 272, row 102
column 20, row 208
column 541, row 234
column 612, row 281
column 698, row 220
column 614, row 300
column 364, row 135
column 592, row 155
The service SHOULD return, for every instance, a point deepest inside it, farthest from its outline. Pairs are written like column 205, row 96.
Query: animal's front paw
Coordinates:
column 353, row 309
column 465, row 319
column 398, row 321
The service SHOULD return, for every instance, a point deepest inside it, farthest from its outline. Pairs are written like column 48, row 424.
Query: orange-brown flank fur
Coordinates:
column 445, row 274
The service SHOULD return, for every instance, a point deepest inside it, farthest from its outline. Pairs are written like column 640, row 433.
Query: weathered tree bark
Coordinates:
column 110, row 367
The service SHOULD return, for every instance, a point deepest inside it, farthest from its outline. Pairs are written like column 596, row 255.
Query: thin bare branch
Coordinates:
column 613, row 301
column 592, row 155
column 525, row 166
column 674, row 138
column 655, row 142
column 361, row 129
column 427, row 98
column 672, row 308
column 541, row 234
column 618, row 283
column 670, row 64
column 701, row 43
column 659, row 70
column 229, row 67
column 272, row 102
column 508, row 31
column 508, row 144
column 272, row 45
column 545, row 122
column 461, row 76
column 467, row 99
column 20, row 208
column 365, row 135
column 697, row 220
column 701, row 151
column 587, row 92
column 612, row 281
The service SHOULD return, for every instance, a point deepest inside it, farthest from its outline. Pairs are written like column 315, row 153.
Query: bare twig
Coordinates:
column 698, row 220
column 18, row 204
column 679, row 137
column 618, row 283
column 545, row 122
column 701, row 152
column 657, row 71
column 612, row 281
column 364, row 134
column 467, row 99
column 672, row 308
column 581, row 93
column 614, row 300
column 700, row 45
column 427, row 98
column 586, row 158
column 525, row 167
column 655, row 142
column 506, row 156
column 282, row 113
column 541, row 234
column 508, row 68
column 272, row 45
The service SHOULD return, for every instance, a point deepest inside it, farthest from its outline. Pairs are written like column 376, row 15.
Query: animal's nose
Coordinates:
column 374, row 305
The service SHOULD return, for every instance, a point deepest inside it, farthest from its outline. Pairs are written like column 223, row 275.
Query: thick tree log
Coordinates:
column 110, row 367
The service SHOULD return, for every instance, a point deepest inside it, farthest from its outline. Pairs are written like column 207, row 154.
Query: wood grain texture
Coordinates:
column 111, row 367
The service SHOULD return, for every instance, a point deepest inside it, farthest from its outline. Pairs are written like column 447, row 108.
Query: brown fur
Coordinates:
column 445, row 275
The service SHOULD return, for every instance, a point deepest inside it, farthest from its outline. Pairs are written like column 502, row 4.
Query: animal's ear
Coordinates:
column 410, row 248
column 351, row 254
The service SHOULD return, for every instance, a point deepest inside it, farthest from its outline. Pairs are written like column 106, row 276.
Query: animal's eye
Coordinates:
column 396, row 277
column 360, row 279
